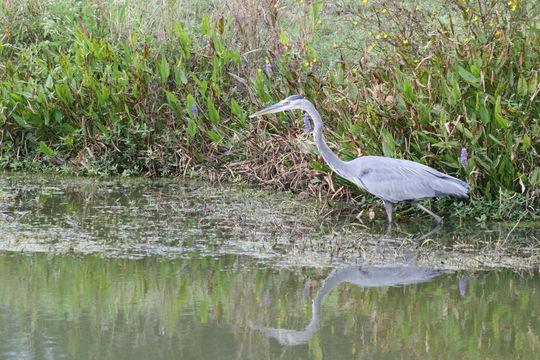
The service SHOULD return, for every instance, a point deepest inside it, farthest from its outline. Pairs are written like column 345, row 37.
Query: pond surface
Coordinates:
column 168, row 269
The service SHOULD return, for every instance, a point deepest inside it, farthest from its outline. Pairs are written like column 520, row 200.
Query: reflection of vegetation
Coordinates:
column 90, row 307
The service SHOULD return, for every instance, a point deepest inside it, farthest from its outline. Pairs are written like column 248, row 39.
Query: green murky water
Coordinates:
column 123, row 268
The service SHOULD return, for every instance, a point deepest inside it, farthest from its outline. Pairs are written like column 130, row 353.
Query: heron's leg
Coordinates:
column 437, row 218
column 389, row 207
column 437, row 227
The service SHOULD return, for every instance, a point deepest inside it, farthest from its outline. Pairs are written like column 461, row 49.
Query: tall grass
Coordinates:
column 163, row 88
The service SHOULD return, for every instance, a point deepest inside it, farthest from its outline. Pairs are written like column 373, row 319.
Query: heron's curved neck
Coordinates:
column 328, row 155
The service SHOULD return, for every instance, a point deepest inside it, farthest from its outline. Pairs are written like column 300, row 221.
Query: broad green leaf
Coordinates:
column 236, row 109
column 456, row 93
column 407, row 90
column 428, row 138
column 19, row 119
column 183, row 37
column 484, row 114
column 355, row 130
column 388, row 144
column 218, row 45
column 164, row 69
column 191, row 127
column 205, row 24
column 534, row 177
column 214, row 136
column 190, row 100
column 475, row 71
column 316, row 7
column 233, row 56
column 283, row 39
column 174, row 103
column 495, row 140
column 467, row 76
column 203, row 85
column 45, row 149
column 526, row 141
column 212, row 111
column 522, row 86
column 401, row 106
column 49, row 82
column 499, row 120
column 465, row 131
column 180, row 76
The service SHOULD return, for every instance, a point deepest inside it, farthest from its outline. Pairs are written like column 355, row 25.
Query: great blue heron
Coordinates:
column 391, row 180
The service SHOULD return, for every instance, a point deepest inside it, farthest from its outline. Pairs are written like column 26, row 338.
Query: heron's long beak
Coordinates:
column 269, row 110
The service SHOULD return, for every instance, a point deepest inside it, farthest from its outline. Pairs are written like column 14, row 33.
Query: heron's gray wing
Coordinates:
column 397, row 180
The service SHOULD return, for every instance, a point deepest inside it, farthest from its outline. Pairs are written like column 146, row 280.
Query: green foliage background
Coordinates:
column 102, row 87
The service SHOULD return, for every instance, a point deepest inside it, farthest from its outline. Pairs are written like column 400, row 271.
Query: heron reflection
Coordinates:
column 359, row 276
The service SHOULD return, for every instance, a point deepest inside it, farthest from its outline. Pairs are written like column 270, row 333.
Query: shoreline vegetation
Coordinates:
column 157, row 88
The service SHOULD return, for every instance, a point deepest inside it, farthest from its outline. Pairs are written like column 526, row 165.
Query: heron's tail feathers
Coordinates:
column 449, row 185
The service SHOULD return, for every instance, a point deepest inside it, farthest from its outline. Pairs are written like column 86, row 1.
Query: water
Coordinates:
column 139, row 269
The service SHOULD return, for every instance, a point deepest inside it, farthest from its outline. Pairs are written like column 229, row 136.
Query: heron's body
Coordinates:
column 392, row 180
column 396, row 180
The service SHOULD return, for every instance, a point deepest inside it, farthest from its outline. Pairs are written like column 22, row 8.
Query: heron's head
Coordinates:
column 290, row 103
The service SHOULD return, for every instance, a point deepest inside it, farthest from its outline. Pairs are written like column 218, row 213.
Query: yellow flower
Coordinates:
column 509, row 3
column 475, row 18
column 369, row 32
column 415, row 60
column 334, row 45
column 466, row 39
column 319, row 21
column 276, row 6
column 378, row 36
column 259, row 70
column 385, row 36
column 417, row 8
column 467, row 10
column 314, row 59
column 433, row 12
column 355, row 22
column 364, row 1
column 306, row 63
column 384, row 11
column 405, row 41
column 301, row 1
column 267, row 61
column 498, row 32
column 353, row 70
column 514, row 7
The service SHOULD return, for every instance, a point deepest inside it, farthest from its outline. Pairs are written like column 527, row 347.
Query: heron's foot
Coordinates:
column 437, row 218
column 432, row 231
column 389, row 229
